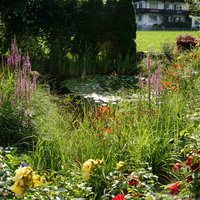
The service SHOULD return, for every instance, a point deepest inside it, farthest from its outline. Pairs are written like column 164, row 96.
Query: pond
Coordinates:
column 103, row 89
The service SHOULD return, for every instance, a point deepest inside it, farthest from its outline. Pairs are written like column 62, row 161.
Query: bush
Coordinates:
column 186, row 42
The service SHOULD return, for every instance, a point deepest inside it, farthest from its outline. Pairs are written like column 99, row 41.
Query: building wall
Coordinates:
column 196, row 22
column 161, row 5
column 149, row 17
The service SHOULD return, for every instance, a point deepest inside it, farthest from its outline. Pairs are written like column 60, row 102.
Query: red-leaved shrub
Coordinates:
column 185, row 42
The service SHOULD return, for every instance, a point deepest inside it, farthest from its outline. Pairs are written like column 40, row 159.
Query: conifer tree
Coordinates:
column 89, row 26
column 124, row 28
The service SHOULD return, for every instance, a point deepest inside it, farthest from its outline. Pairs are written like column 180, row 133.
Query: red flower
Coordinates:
column 189, row 160
column 178, row 165
column 174, row 188
column 136, row 195
column 106, row 130
column 119, row 197
column 189, row 179
column 196, row 166
column 196, row 152
column 134, row 180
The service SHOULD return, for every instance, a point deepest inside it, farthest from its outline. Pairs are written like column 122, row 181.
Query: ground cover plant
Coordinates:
column 131, row 149
column 154, row 40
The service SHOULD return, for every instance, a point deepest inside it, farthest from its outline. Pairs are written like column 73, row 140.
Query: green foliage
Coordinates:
column 89, row 26
column 63, row 33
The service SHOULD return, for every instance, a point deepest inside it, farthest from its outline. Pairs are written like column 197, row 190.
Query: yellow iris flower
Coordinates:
column 25, row 178
column 87, row 167
column 120, row 164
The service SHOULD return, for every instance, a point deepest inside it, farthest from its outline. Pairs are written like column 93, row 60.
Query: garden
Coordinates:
column 96, row 123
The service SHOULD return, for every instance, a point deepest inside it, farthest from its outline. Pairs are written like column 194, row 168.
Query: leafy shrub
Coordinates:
column 167, row 49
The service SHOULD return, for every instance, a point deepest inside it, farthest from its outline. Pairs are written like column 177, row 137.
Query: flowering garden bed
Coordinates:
column 146, row 148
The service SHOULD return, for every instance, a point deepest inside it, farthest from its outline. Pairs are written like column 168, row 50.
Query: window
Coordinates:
column 135, row 5
column 153, row 5
column 177, row 19
column 152, row 18
column 166, row 6
column 177, row 7
column 197, row 23
column 140, row 5
column 140, row 18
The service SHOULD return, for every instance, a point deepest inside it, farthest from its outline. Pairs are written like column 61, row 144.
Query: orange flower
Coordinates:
column 106, row 130
column 176, row 66
column 103, row 112
column 181, row 64
column 105, row 134
column 188, row 70
column 167, row 84
column 174, row 88
column 103, row 109
column 168, row 72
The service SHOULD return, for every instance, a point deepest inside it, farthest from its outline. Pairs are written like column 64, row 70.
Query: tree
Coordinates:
column 51, row 20
column 124, row 29
column 89, row 26
column 194, row 6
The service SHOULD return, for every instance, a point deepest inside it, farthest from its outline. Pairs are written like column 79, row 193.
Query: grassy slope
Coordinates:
column 153, row 40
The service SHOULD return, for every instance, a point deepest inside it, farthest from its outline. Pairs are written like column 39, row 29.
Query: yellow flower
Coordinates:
column 19, row 188
column 87, row 167
column 120, row 164
column 36, row 180
column 21, row 172
column 25, row 178
column 178, row 58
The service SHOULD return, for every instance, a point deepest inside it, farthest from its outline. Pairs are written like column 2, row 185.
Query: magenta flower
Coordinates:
column 27, row 64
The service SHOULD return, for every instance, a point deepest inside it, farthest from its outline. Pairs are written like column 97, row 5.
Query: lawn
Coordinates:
column 153, row 40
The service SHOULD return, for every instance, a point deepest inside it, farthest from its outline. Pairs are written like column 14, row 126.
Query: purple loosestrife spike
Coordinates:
column 13, row 47
column 27, row 90
column 34, row 82
column 140, row 83
column 30, row 89
column 17, row 92
column 148, row 65
column 20, row 82
column 27, row 64
column 159, row 89
column 17, row 59
column 11, row 101
column 2, row 98
column 157, row 81
column 9, row 60
column 148, row 82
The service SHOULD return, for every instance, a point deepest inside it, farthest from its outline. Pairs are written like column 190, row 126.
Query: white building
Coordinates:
column 162, row 14
column 196, row 22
